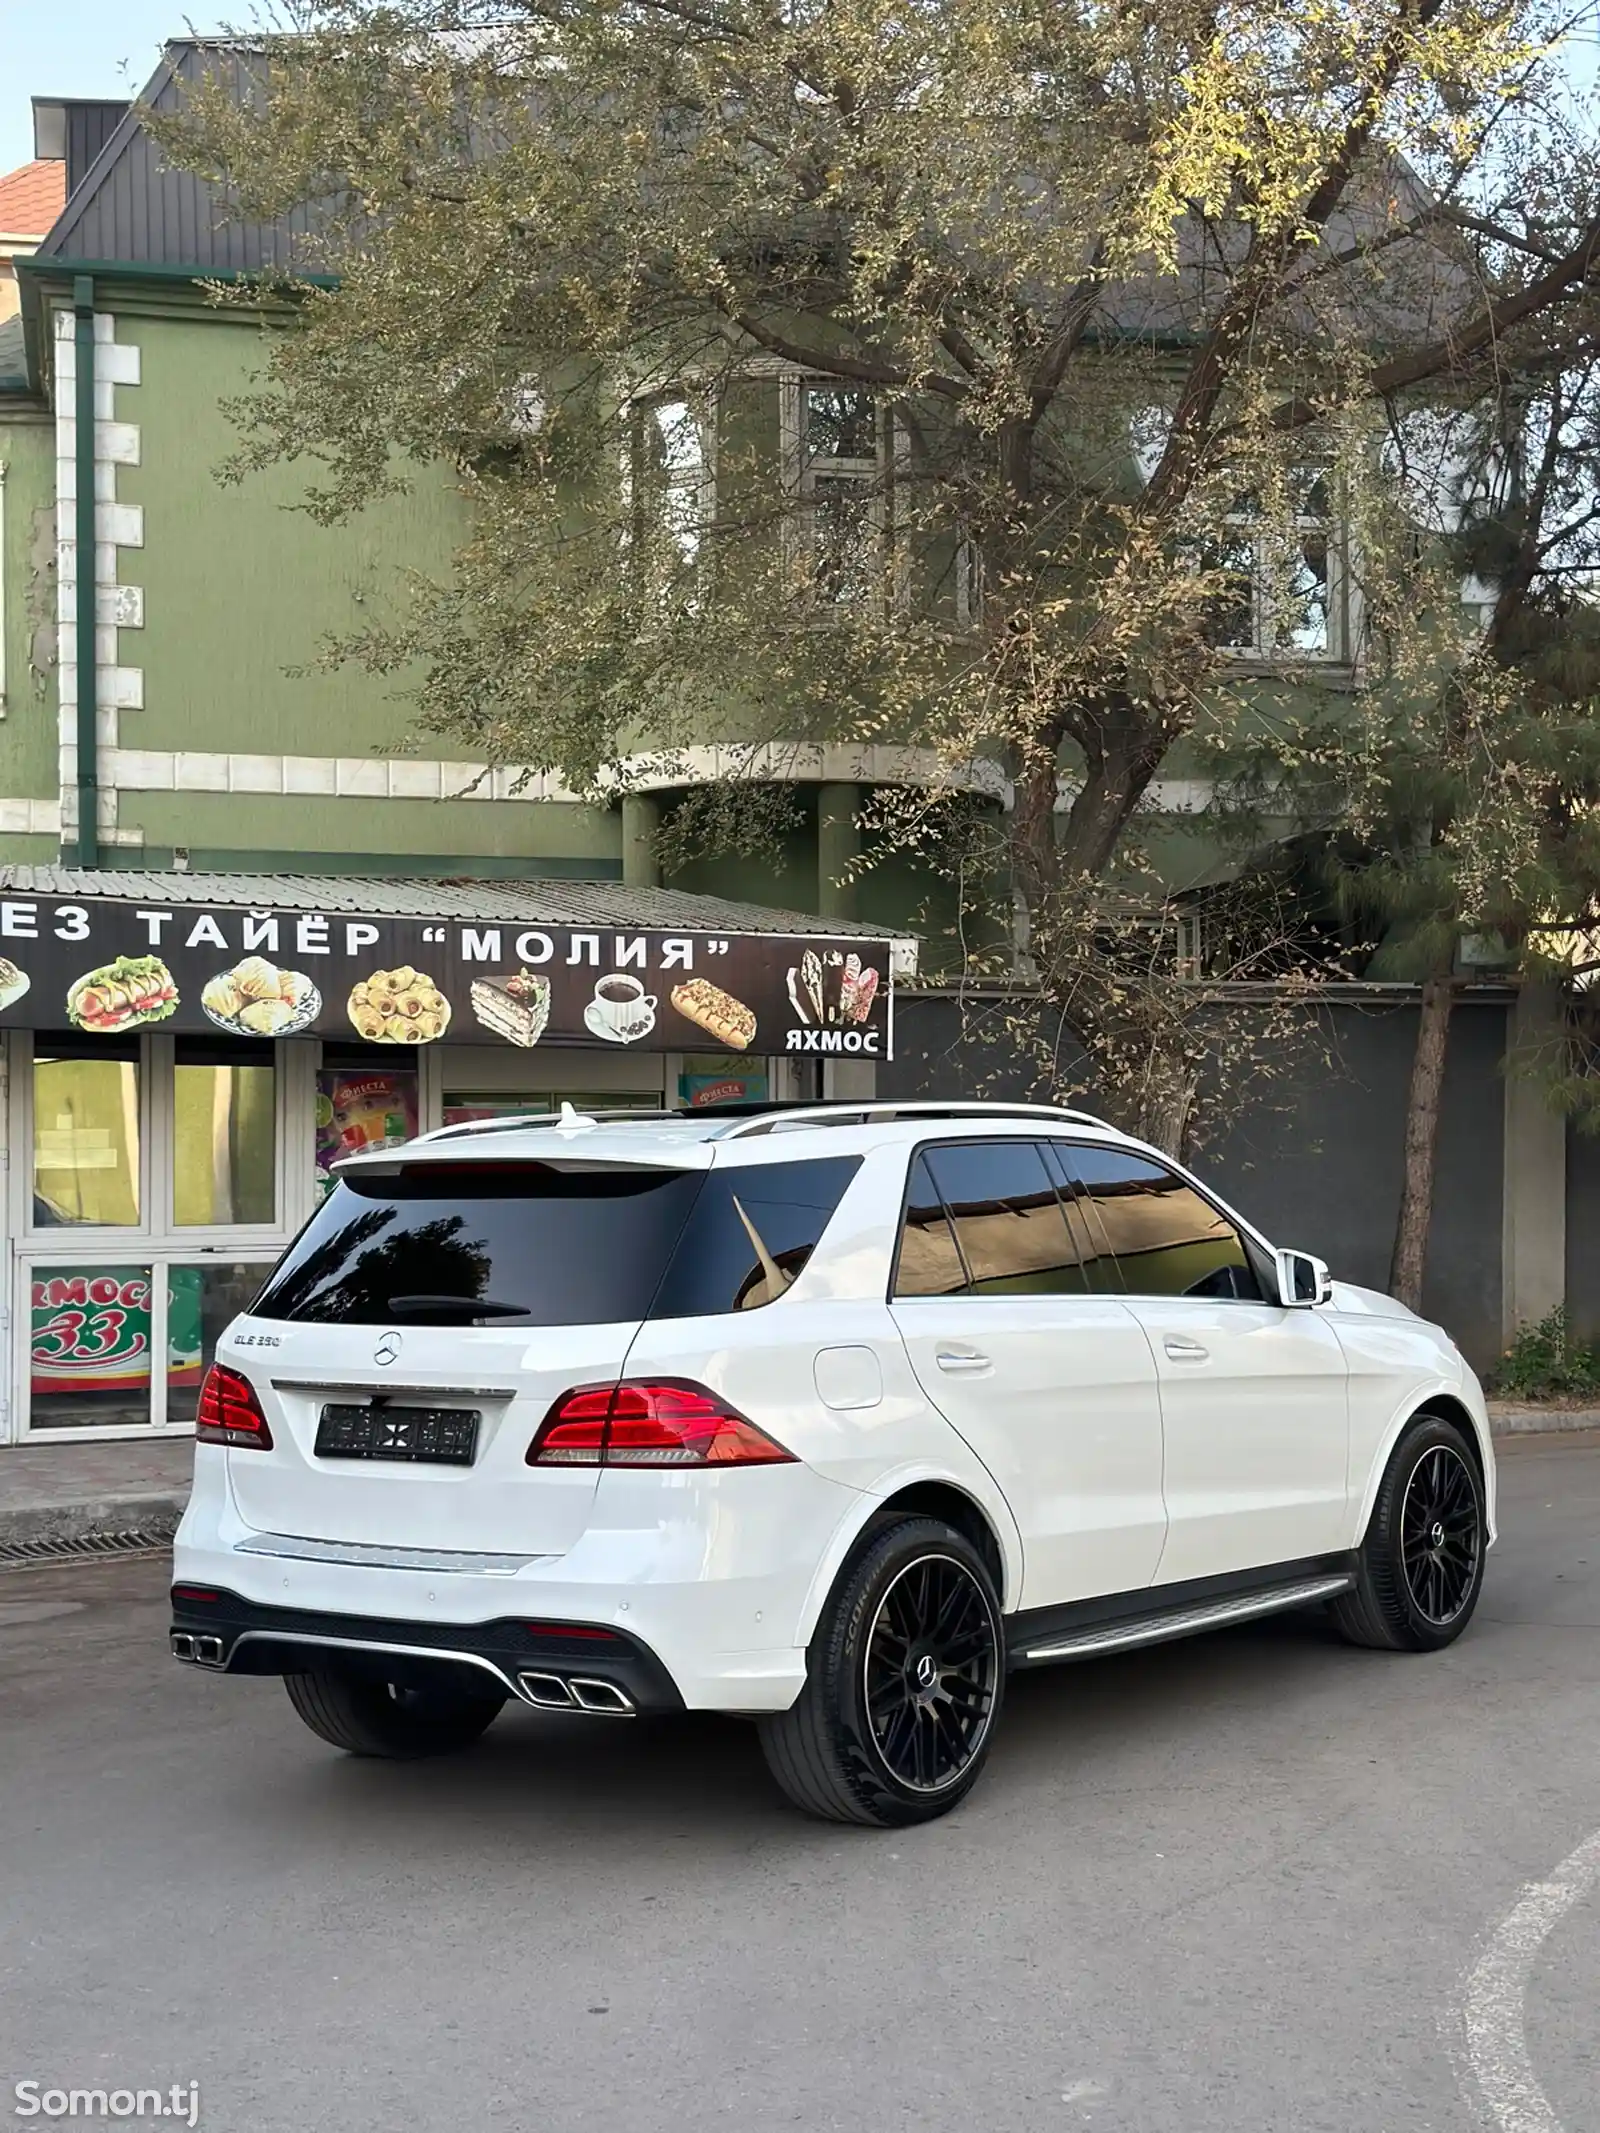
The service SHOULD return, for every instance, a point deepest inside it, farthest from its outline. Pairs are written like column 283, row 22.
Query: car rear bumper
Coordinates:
column 555, row 1666
column 705, row 1579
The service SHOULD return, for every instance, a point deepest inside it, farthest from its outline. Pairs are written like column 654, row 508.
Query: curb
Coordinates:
column 59, row 1525
column 1507, row 1420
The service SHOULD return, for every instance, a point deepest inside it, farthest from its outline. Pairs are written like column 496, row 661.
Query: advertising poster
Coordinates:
column 105, row 967
column 358, row 1110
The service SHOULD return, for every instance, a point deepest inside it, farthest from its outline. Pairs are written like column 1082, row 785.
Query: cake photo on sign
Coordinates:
column 257, row 999
column 827, row 990
column 516, row 1008
column 134, row 989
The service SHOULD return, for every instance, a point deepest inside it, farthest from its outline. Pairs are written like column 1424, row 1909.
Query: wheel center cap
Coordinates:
column 926, row 1671
column 1436, row 1533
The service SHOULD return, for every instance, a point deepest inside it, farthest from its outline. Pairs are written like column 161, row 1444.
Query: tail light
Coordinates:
column 229, row 1412
column 650, row 1422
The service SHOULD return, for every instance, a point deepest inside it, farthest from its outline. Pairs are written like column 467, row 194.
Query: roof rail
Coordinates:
column 883, row 1110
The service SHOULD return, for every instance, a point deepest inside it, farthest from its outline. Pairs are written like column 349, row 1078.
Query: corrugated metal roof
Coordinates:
column 531, row 903
column 130, row 207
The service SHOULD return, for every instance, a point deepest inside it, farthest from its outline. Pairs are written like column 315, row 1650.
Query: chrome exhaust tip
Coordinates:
column 183, row 1646
column 603, row 1698
column 208, row 1651
column 548, row 1691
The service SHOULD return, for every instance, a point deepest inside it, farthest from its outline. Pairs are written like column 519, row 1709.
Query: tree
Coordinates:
column 1473, row 813
column 963, row 378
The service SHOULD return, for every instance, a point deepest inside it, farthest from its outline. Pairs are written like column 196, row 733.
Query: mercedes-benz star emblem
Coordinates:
column 388, row 1349
column 927, row 1671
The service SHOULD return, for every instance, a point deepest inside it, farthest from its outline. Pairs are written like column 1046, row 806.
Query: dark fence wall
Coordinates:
column 1583, row 1232
column 1316, row 1163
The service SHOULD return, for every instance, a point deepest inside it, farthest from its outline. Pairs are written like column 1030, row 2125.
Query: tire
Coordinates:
column 904, row 1682
column 379, row 1718
column 1420, row 1565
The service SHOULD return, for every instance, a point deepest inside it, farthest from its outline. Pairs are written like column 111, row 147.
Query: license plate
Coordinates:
column 437, row 1436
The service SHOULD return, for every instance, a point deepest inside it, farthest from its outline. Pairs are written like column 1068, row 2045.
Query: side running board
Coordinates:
column 1186, row 1621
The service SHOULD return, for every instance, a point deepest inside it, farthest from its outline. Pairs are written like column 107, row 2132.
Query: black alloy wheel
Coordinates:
column 930, row 1668
column 905, row 1678
column 1441, row 1535
column 1419, row 1569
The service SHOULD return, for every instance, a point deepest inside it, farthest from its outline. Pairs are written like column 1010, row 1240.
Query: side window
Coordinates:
column 1169, row 1240
column 752, row 1228
column 1008, row 1219
column 929, row 1264
column 1100, row 1273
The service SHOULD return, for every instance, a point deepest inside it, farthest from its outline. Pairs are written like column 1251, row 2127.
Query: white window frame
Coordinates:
column 1268, row 647
column 639, row 409
column 889, row 562
column 156, row 1242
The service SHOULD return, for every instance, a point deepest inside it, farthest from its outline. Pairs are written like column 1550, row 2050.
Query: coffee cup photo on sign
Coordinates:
column 621, row 1011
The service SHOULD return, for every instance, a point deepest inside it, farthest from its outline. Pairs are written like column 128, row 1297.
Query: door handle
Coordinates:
column 955, row 1360
column 1185, row 1351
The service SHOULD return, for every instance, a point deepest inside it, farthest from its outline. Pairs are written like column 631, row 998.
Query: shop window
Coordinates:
column 92, row 1333
column 224, row 1148
column 709, row 1079
column 364, row 1101
column 86, row 1133
column 201, row 1303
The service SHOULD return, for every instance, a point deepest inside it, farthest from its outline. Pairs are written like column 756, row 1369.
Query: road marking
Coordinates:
column 1497, row 2042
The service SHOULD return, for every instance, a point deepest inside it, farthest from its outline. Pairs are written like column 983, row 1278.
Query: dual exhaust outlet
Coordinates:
column 550, row 1692
column 558, row 1692
column 197, row 1651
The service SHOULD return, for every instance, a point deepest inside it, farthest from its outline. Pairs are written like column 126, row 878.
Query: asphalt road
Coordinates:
column 1240, row 1883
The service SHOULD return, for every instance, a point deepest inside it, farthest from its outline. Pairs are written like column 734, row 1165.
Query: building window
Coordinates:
column 841, row 454
column 1282, row 584
column 87, row 1125
column 224, row 1135
column 670, row 478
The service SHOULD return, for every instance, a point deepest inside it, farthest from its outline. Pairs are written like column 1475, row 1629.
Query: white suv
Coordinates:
column 829, row 1415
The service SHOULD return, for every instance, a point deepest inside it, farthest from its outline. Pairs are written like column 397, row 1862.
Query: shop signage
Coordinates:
column 92, row 1328
column 109, row 968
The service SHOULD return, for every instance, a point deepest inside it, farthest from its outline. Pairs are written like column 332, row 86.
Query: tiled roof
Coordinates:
column 31, row 198
column 531, row 903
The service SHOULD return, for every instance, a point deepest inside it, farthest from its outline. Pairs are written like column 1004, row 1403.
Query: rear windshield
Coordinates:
column 525, row 1243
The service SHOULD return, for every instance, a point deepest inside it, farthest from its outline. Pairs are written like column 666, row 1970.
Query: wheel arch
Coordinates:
column 924, row 1494
column 1448, row 1406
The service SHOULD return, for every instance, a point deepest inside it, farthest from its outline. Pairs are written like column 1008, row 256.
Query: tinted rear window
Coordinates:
column 550, row 1247
column 566, row 1247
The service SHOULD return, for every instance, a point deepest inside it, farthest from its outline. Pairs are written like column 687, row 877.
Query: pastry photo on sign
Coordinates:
column 710, row 1008
column 257, row 999
column 399, row 1006
column 14, row 982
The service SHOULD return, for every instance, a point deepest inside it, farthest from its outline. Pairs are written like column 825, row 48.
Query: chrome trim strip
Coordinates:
column 1189, row 1622
column 367, row 1644
column 434, row 1395
column 372, row 1555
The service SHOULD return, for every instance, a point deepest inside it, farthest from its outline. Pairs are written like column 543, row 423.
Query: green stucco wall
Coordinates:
column 29, row 732
column 240, row 585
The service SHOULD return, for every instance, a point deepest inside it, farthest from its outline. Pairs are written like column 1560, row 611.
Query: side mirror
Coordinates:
column 1302, row 1281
